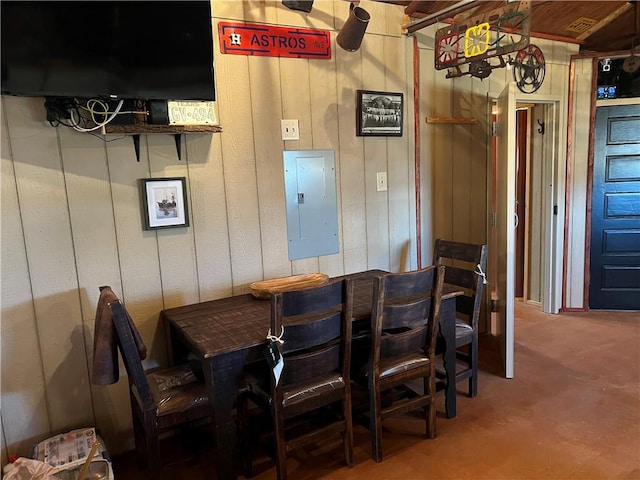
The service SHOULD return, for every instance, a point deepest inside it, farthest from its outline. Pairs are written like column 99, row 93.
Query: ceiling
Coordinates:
column 598, row 26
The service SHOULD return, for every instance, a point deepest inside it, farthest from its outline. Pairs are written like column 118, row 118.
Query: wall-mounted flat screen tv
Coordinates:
column 112, row 49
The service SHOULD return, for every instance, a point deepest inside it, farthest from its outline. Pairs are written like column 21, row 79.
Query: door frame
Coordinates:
column 553, row 208
column 555, row 113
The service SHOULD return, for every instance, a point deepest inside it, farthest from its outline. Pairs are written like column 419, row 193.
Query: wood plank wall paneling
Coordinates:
column 52, row 265
column 91, row 210
column 399, row 173
column 267, row 102
column 535, row 200
column 375, row 154
column 71, row 209
column 451, row 152
column 4, row 456
column 209, row 215
column 325, row 128
column 427, row 144
column 442, row 141
column 24, row 405
column 383, row 21
column 462, row 182
column 352, row 161
column 480, row 109
column 72, row 221
column 578, row 185
column 410, row 62
column 178, row 272
column 233, row 94
column 249, row 11
column 137, row 248
column 296, row 104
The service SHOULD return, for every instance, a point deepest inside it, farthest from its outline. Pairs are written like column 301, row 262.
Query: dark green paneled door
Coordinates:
column 615, row 214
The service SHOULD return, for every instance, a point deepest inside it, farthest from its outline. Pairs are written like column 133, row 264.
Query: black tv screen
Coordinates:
column 114, row 49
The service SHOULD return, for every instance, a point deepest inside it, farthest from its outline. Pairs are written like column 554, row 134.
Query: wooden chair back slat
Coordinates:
column 309, row 334
column 465, row 252
column 403, row 343
column 313, row 300
column 309, row 366
column 409, row 284
column 411, row 314
column 461, row 277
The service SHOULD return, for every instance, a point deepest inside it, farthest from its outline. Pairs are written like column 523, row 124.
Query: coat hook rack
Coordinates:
column 540, row 127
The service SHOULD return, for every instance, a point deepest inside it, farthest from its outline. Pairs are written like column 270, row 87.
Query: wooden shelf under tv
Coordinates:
column 169, row 129
column 176, row 130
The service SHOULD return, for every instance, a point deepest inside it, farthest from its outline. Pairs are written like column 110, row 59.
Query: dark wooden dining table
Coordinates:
column 229, row 333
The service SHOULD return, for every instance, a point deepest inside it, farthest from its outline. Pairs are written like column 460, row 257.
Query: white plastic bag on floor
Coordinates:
column 28, row 469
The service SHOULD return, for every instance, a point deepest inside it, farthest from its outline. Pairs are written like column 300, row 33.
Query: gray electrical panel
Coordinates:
column 312, row 208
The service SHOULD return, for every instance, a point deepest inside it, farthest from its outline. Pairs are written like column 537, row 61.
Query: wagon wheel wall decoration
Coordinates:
column 477, row 40
column 529, row 69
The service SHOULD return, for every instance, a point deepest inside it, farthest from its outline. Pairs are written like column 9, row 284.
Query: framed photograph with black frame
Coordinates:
column 379, row 114
column 164, row 202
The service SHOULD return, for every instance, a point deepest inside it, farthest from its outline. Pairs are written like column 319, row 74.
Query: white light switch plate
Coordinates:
column 381, row 178
column 290, row 130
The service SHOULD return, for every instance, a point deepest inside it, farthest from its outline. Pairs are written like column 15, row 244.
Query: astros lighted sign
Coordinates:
column 271, row 41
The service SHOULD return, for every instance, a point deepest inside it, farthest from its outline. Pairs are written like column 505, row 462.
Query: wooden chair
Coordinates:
column 160, row 401
column 315, row 326
column 404, row 326
column 465, row 267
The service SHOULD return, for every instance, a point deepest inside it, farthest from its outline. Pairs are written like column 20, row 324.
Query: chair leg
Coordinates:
column 281, row 448
column 152, row 441
column 348, row 432
column 430, row 413
column 139, row 439
column 375, row 422
column 473, row 364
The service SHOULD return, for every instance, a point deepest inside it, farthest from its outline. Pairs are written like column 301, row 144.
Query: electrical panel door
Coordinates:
column 312, row 212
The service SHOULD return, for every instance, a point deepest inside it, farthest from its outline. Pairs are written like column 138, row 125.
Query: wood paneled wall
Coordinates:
column 577, row 183
column 457, row 158
column 535, row 198
column 71, row 214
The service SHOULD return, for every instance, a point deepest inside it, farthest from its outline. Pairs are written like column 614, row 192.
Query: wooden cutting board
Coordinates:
column 264, row 288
